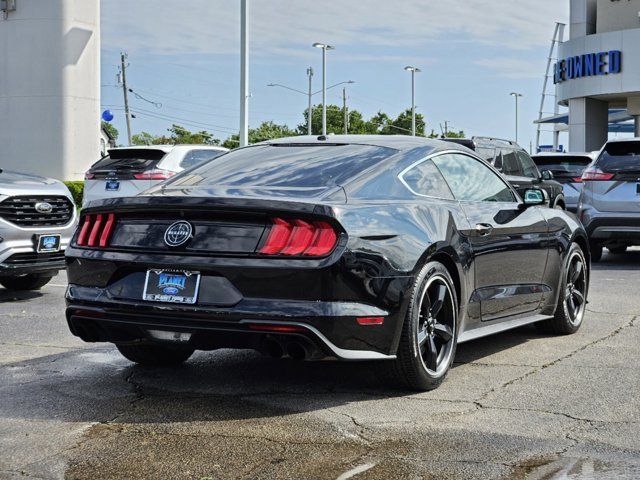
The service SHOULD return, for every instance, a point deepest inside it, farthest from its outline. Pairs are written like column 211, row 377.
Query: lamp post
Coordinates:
column 324, row 48
column 413, row 71
column 310, row 95
column 244, row 73
column 516, row 96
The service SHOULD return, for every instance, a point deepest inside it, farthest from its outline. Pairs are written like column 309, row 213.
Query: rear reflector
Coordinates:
column 300, row 238
column 263, row 327
column 96, row 230
column 370, row 320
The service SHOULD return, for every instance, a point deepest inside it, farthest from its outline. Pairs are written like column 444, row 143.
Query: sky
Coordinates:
column 184, row 58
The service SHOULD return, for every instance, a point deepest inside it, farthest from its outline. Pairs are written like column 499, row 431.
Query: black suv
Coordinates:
column 516, row 165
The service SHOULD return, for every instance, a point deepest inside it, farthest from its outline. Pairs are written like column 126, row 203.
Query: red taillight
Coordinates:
column 155, row 174
column 577, row 180
column 89, row 176
column 594, row 174
column 299, row 237
column 96, row 230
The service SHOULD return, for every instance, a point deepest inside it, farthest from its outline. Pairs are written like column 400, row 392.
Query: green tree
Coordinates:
column 113, row 131
column 178, row 135
column 266, row 131
column 357, row 125
column 401, row 125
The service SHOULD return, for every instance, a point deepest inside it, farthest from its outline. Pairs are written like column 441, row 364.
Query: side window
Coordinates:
column 472, row 180
column 426, row 179
column 196, row 157
column 498, row 162
column 529, row 168
column 510, row 164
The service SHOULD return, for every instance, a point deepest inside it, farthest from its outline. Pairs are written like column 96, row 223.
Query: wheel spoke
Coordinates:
column 577, row 271
column 578, row 297
column 443, row 331
column 432, row 354
column 422, row 339
column 436, row 305
column 571, row 305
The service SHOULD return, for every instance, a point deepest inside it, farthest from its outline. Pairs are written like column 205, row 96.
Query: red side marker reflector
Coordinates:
column 261, row 327
column 370, row 320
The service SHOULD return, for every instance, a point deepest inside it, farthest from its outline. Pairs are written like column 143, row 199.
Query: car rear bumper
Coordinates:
column 611, row 227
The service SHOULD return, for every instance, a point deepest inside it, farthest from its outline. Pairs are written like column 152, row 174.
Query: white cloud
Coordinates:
column 515, row 68
column 288, row 27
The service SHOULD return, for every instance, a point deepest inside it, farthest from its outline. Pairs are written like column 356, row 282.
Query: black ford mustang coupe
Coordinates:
column 352, row 247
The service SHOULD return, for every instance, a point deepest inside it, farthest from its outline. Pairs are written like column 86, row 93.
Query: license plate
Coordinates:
column 48, row 243
column 171, row 286
column 112, row 186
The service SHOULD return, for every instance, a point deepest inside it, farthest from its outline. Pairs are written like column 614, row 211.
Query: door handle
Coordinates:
column 484, row 229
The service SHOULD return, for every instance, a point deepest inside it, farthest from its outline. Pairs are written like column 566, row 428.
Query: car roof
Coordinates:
column 562, row 154
column 621, row 139
column 396, row 142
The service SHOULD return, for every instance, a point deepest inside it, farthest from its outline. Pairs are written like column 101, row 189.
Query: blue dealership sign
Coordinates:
column 588, row 65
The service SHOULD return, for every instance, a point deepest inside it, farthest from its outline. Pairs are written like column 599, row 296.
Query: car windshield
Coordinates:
column 137, row 159
column 286, row 166
column 561, row 166
column 623, row 157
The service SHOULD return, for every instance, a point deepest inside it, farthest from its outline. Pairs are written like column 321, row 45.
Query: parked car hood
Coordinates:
column 13, row 183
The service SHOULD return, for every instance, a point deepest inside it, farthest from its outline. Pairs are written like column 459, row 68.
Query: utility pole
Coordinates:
column 310, row 108
column 413, row 71
column 244, row 73
column 125, row 90
column 344, row 110
column 516, row 96
column 446, row 128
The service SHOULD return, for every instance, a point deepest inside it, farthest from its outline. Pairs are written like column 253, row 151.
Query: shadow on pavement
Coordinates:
column 13, row 296
column 98, row 385
column 624, row 261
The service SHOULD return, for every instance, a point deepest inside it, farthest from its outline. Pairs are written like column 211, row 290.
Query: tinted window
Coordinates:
column 426, row 179
column 510, row 164
column 129, row 159
column 563, row 166
column 620, row 157
column 488, row 153
column 529, row 168
column 472, row 180
column 196, row 157
column 287, row 166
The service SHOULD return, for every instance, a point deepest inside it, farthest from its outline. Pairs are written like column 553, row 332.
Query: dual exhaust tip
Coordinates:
column 294, row 349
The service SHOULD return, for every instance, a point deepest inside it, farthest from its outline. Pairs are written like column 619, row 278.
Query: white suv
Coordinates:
column 128, row 171
column 37, row 219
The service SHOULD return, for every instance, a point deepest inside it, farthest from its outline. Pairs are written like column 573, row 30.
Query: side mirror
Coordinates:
column 533, row 197
column 547, row 175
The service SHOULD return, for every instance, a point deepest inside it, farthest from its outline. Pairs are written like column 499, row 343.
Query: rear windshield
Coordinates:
column 562, row 165
column 129, row 159
column 286, row 166
column 623, row 157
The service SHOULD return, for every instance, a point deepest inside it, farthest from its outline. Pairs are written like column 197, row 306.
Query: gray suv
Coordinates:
column 37, row 219
column 609, row 205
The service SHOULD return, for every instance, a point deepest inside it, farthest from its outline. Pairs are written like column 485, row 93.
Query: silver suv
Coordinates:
column 37, row 219
column 609, row 205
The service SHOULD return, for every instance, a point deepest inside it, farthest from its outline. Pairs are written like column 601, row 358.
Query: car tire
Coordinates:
column 572, row 299
column 596, row 252
column 430, row 331
column 619, row 250
column 25, row 282
column 155, row 355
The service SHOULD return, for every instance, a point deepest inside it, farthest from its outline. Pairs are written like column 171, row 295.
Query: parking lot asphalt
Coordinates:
column 517, row 405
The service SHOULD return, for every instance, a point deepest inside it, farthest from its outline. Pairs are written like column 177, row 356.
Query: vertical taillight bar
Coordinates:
column 96, row 230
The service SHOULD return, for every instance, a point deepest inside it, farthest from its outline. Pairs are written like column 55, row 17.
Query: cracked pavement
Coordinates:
column 516, row 405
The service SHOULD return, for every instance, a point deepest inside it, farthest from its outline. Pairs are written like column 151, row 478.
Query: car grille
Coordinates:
column 32, row 258
column 22, row 211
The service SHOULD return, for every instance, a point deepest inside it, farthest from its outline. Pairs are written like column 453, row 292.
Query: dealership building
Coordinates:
column 597, row 73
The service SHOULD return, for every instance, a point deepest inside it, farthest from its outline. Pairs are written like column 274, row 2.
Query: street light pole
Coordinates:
column 413, row 71
column 324, row 48
column 244, row 73
column 310, row 108
column 516, row 96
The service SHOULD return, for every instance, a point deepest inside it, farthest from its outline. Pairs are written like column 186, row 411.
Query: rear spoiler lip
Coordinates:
column 238, row 204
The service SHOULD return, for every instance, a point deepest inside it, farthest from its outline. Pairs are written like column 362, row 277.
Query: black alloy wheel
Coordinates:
column 429, row 335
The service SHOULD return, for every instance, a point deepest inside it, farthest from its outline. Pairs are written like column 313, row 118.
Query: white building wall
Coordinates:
column 614, row 15
column 50, row 87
